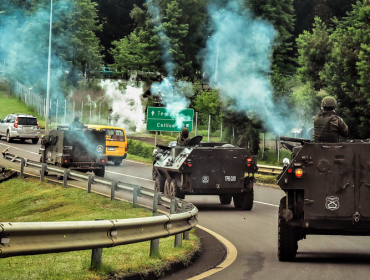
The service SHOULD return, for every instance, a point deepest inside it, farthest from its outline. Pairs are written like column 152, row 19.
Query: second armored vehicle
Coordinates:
column 207, row 169
column 79, row 149
column 327, row 188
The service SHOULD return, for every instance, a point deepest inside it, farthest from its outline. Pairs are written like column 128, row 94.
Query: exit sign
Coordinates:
column 161, row 120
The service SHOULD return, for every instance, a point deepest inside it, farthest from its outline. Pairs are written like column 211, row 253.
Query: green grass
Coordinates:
column 33, row 201
column 13, row 105
column 266, row 179
column 271, row 157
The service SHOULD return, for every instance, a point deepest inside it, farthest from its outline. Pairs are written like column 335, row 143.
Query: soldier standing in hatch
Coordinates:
column 76, row 123
column 183, row 138
column 327, row 124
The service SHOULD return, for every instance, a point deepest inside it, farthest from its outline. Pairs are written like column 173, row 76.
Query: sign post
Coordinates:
column 161, row 120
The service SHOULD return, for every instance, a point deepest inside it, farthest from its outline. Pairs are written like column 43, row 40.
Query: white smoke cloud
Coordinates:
column 126, row 105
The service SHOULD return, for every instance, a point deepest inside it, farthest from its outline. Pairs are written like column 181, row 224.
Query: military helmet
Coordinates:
column 185, row 131
column 328, row 101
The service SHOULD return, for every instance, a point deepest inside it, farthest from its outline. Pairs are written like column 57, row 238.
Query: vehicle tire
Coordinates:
column 35, row 140
column 8, row 138
column 159, row 183
column 100, row 172
column 225, row 198
column 117, row 162
column 154, row 174
column 167, row 189
column 287, row 241
column 237, row 200
column 175, row 190
column 247, row 198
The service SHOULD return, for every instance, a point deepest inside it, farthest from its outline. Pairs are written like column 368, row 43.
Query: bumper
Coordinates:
column 15, row 134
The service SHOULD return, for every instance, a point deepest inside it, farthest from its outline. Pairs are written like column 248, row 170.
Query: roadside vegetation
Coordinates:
column 11, row 104
column 30, row 200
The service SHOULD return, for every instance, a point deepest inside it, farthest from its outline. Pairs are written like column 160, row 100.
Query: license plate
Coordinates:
column 111, row 149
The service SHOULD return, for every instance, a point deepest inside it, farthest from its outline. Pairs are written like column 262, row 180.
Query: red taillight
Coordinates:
column 65, row 160
column 126, row 148
column 298, row 173
column 16, row 123
column 249, row 159
column 185, row 162
column 38, row 126
column 290, row 170
column 102, row 160
column 189, row 164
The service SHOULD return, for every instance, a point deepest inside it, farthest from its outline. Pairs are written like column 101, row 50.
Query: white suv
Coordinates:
column 20, row 126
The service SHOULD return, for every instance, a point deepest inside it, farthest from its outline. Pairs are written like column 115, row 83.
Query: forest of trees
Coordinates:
column 321, row 47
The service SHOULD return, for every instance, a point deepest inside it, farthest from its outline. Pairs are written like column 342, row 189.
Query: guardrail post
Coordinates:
column 89, row 182
column 156, row 201
column 22, row 168
column 154, row 248
column 113, row 189
column 44, row 166
column 173, row 210
column 185, row 234
column 65, row 177
column 96, row 256
column 136, row 194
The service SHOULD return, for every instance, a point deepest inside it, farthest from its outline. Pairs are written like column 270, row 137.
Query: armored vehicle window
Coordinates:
column 27, row 121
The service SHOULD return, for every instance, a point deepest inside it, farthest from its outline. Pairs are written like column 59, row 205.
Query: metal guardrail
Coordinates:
column 26, row 238
column 266, row 169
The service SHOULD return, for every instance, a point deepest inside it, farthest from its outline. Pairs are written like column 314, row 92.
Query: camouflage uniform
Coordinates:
column 183, row 138
column 328, row 126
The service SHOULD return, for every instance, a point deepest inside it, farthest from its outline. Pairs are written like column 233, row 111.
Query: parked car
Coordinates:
column 20, row 126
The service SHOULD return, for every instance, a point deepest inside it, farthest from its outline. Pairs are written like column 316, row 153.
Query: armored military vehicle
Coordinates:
column 327, row 188
column 206, row 169
column 80, row 149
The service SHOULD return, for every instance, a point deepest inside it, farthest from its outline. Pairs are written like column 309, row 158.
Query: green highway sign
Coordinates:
column 161, row 120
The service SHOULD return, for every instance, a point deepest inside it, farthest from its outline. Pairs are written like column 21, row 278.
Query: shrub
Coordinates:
column 140, row 149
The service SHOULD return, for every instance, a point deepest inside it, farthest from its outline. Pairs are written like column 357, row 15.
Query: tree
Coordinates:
column 208, row 103
column 346, row 71
column 313, row 49
column 171, row 33
column 114, row 16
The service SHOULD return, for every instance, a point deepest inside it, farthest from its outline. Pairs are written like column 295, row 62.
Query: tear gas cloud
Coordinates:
column 237, row 60
column 24, row 40
column 126, row 105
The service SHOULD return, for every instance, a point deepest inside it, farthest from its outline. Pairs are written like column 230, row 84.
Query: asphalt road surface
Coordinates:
column 253, row 233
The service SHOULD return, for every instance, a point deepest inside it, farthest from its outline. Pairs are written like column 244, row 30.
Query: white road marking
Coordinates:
column 264, row 203
column 129, row 176
column 18, row 148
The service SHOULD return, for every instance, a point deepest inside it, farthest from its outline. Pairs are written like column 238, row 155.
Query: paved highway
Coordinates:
column 253, row 233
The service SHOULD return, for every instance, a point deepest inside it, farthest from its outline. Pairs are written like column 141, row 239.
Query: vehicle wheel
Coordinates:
column 8, row 138
column 100, row 172
column 225, row 198
column 35, row 140
column 237, row 200
column 167, row 189
column 159, row 183
column 59, row 177
column 154, row 174
column 247, row 200
column 175, row 190
column 287, row 241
